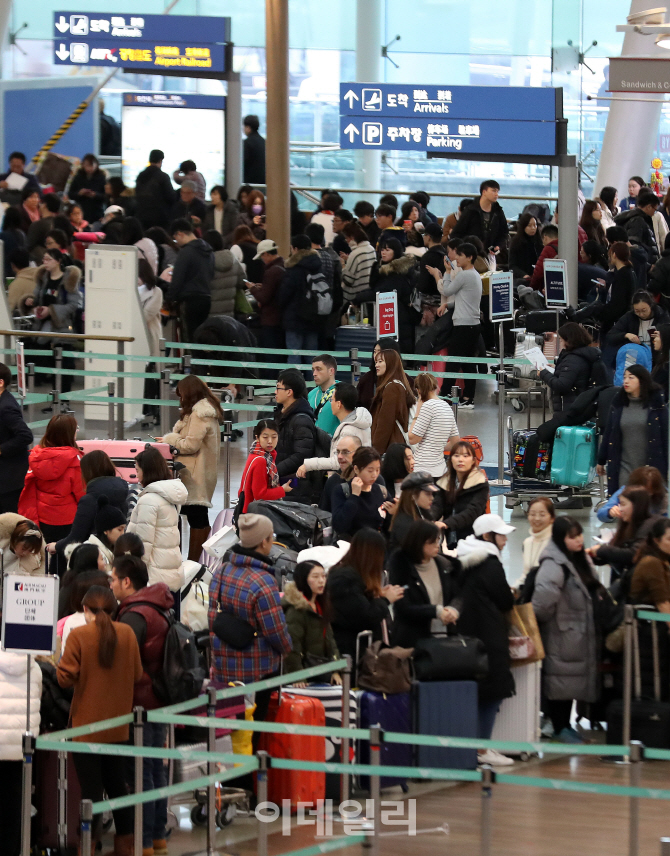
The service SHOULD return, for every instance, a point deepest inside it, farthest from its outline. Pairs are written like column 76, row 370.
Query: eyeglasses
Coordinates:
column 280, row 388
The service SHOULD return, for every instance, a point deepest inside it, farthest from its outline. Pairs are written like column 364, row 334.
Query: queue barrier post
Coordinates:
column 211, row 768
column 455, row 393
column 227, row 437
column 629, row 619
column 121, row 386
column 262, row 794
column 665, row 846
column 355, row 366
column 346, row 693
column 110, row 410
column 165, row 395
column 186, row 364
column 55, row 401
column 251, row 392
column 140, row 715
column 376, row 736
column 488, row 779
column 86, row 821
column 62, row 802
column 636, row 756
column 30, row 371
column 28, row 745
column 58, row 365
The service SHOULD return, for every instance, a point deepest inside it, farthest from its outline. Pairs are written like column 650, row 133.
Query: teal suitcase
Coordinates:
column 573, row 457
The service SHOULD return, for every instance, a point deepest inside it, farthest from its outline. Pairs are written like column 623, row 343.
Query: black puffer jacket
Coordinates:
column 523, row 255
column 471, row 222
column 630, row 323
column 296, row 436
column 116, row 491
column 398, row 275
column 470, row 503
column 193, row 272
column 292, row 290
column 434, row 257
column 640, row 230
column 572, row 375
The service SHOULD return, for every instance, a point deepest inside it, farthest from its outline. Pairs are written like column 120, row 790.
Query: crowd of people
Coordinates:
column 406, row 491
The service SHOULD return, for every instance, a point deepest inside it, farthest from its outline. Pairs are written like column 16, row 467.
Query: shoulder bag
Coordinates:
column 450, row 658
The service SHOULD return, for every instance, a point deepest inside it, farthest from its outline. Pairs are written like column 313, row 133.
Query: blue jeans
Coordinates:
column 487, row 711
column 298, row 342
column 154, row 818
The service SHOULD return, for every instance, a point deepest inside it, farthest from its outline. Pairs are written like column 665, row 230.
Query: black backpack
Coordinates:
column 528, row 587
column 182, row 675
column 296, row 525
column 318, row 299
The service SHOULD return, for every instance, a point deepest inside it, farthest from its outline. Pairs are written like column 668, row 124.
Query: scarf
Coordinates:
column 273, row 475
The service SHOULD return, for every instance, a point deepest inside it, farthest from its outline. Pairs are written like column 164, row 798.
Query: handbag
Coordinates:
column 450, row 658
column 242, row 305
column 522, row 618
column 233, row 630
column 383, row 669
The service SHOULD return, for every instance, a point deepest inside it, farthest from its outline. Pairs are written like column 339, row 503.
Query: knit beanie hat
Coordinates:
column 108, row 516
column 254, row 528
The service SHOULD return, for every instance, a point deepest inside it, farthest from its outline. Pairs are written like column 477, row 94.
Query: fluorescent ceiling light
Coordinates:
column 663, row 40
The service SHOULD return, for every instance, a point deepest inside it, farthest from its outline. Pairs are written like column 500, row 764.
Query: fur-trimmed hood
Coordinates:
column 298, row 257
column 401, row 266
column 203, row 409
column 294, row 597
column 71, row 277
column 475, row 477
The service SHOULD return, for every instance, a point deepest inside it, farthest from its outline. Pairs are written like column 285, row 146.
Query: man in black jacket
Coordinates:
column 154, row 193
column 296, row 427
column 254, row 152
column 15, row 438
column 484, row 218
column 639, row 224
column 191, row 277
column 433, row 257
column 188, row 205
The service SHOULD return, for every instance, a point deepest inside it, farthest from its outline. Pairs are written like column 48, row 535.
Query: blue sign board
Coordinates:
column 555, row 283
column 516, row 103
column 445, row 135
column 136, row 41
column 501, row 296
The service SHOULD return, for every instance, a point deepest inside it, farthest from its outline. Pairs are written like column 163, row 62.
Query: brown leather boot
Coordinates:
column 197, row 539
column 124, row 845
column 160, row 847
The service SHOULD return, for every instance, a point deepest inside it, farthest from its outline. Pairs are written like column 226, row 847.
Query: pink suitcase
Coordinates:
column 123, row 453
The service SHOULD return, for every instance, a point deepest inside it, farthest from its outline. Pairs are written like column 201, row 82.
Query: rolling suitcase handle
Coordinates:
column 367, row 633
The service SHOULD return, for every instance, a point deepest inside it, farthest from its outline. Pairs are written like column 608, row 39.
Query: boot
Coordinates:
column 196, row 540
column 124, row 845
column 147, row 851
column 160, row 847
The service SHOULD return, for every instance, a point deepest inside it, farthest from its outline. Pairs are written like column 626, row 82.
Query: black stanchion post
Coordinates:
column 55, row 401
column 375, row 761
column 262, row 795
column 86, row 820
column 629, row 618
column 355, row 366
column 62, row 802
column 121, row 386
column 186, row 364
column 27, row 788
column 211, row 768
column 110, row 410
column 488, row 778
column 30, row 371
column 251, row 392
column 165, row 396
column 346, row 693
column 636, row 756
column 455, row 393
column 138, row 740
column 58, row 365
column 227, row 437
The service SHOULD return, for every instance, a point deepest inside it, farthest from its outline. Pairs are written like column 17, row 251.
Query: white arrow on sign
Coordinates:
column 62, row 25
column 352, row 130
column 62, row 53
column 350, row 97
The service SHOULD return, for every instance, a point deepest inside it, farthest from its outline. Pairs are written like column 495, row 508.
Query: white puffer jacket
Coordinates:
column 13, row 702
column 155, row 519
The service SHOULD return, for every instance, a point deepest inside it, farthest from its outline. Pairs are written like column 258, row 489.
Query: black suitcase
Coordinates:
column 57, row 796
column 544, row 320
column 297, row 526
column 361, row 336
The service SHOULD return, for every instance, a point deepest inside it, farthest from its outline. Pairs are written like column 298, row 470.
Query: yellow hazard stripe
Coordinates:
column 51, row 142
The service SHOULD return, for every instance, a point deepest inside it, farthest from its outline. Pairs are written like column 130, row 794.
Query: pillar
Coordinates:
column 368, row 70
column 233, row 134
column 568, row 243
column 277, row 177
column 632, row 126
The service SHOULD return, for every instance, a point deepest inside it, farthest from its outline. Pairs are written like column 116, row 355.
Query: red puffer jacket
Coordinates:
column 53, row 485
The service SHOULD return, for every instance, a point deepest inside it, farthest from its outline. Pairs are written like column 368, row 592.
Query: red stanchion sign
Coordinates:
column 387, row 315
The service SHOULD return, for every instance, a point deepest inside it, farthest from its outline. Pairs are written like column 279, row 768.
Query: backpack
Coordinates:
column 322, row 442
column 296, row 525
column 182, row 676
column 528, row 587
column 318, row 299
column 631, row 354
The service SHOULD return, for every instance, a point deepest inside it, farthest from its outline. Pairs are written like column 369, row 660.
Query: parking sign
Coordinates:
column 373, row 133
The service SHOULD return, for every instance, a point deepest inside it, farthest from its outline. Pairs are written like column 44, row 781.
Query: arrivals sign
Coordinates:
column 463, row 119
column 141, row 41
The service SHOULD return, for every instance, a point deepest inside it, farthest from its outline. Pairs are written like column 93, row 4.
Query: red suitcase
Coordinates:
column 295, row 785
column 123, row 454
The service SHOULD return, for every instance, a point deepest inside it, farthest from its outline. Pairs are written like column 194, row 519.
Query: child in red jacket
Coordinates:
column 260, row 479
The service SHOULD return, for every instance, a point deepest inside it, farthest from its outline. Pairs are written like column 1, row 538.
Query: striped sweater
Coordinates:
column 356, row 273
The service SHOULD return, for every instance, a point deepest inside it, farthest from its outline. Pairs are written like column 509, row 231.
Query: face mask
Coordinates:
column 257, row 209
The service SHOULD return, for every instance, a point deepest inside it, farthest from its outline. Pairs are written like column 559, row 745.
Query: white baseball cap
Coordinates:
column 491, row 523
column 114, row 209
column 265, row 246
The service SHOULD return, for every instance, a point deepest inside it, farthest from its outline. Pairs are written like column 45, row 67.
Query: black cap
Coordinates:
column 417, row 480
column 434, row 230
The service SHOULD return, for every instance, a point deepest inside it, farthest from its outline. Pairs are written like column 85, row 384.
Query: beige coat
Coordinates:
column 23, row 285
column 33, row 563
column 198, row 439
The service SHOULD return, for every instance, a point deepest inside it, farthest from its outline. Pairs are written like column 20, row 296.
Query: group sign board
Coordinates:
column 136, row 41
column 510, row 120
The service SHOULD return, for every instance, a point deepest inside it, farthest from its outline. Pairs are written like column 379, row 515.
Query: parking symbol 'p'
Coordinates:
column 372, row 133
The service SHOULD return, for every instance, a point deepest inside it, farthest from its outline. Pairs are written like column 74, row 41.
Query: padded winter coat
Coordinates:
column 564, row 612
column 116, row 491
column 32, row 563
column 198, row 439
column 155, row 519
column 470, row 503
column 13, row 682
column 571, row 375
column 228, row 279
column 53, row 485
column 310, row 633
column 63, row 309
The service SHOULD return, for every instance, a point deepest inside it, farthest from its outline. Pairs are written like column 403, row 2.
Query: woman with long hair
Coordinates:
column 636, row 433
column 83, row 558
column 417, row 496
column 395, row 272
column 134, row 236
column 433, row 429
column 22, row 545
column 464, row 492
column 572, row 371
column 397, row 464
column 660, row 372
column 261, row 480
column 367, row 384
column 197, row 438
column 591, row 222
column 357, row 501
column 167, row 249
column 87, row 188
column 99, row 478
column 244, row 246
column 253, row 214
column 155, row 518
column 53, row 485
column 651, row 480
column 307, row 610
column 562, row 601
column 610, row 196
column 358, row 597
column 78, row 590
column 102, row 662
column 525, row 247
column 392, row 402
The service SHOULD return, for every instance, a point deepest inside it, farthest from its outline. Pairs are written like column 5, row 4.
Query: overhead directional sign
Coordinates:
column 430, row 135
column 141, row 41
column 519, row 103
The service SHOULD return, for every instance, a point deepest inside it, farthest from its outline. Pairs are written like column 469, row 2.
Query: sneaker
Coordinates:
column 569, row 735
column 495, row 759
column 547, row 728
column 467, row 404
